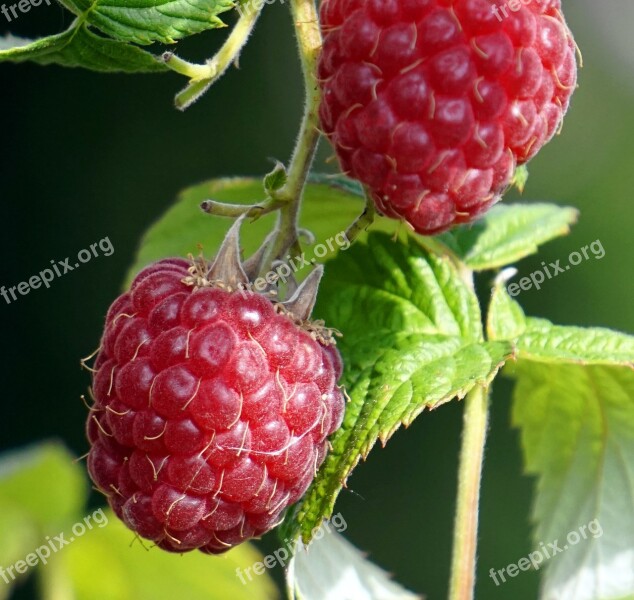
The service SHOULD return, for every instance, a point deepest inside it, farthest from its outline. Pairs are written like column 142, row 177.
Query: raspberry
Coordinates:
column 213, row 403
column 432, row 104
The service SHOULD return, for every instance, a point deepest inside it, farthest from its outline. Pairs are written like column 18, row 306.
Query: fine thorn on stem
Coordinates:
column 465, row 539
column 306, row 20
column 202, row 77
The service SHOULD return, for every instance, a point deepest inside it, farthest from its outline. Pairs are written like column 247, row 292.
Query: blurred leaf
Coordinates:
column 326, row 211
column 147, row 21
column 331, row 568
column 577, row 431
column 45, row 483
column 412, row 339
column 19, row 536
column 508, row 233
column 79, row 47
column 109, row 563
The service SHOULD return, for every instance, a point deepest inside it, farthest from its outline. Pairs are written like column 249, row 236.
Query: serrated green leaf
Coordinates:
column 544, row 342
column 577, row 431
column 45, row 482
column 412, row 339
column 326, row 212
column 109, row 563
column 148, row 21
column 79, row 47
column 508, row 233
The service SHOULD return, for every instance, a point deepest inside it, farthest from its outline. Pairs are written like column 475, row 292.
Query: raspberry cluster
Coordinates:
column 432, row 104
column 212, row 408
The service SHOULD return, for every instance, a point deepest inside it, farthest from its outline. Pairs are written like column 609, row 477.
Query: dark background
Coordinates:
column 86, row 155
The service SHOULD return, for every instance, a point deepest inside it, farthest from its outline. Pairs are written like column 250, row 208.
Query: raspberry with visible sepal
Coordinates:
column 213, row 404
column 432, row 104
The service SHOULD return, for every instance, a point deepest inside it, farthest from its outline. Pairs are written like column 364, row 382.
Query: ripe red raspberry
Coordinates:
column 433, row 103
column 212, row 403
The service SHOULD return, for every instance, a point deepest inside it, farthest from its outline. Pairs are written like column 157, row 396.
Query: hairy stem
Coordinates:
column 305, row 17
column 465, row 540
column 255, row 211
column 204, row 76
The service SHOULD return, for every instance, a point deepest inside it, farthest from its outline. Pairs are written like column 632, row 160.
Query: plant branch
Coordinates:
column 254, row 211
column 465, row 539
column 202, row 77
column 305, row 17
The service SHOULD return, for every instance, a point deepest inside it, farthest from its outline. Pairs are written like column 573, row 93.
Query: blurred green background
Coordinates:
column 86, row 156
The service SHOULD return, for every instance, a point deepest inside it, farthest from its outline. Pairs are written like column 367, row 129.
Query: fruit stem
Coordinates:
column 465, row 540
column 306, row 19
column 364, row 220
column 203, row 76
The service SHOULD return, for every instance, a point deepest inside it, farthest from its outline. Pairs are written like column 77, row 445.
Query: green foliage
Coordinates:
column 43, row 493
column 508, row 233
column 412, row 340
column 148, row 21
column 574, row 405
column 577, row 430
column 124, row 22
column 79, row 47
column 110, row 565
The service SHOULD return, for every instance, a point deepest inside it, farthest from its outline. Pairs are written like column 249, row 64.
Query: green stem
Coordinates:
column 364, row 220
column 255, row 211
column 203, row 76
column 465, row 540
column 306, row 19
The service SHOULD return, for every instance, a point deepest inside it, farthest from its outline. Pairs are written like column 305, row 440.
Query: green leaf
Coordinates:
column 412, row 339
column 577, row 432
column 505, row 320
column 326, row 211
column 544, row 342
column 148, row 21
column 332, row 568
column 19, row 536
column 79, row 47
column 276, row 179
column 45, row 482
column 510, row 232
column 109, row 563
